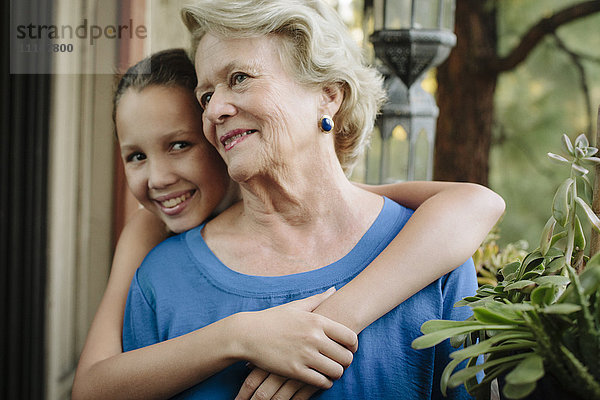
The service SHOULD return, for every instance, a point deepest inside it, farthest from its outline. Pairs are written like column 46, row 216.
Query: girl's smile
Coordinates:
column 171, row 169
column 174, row 204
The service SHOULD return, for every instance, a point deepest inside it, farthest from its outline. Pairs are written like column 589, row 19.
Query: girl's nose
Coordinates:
column 161, row 175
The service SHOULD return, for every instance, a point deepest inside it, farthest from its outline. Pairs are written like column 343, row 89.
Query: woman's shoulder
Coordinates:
column 166, row 255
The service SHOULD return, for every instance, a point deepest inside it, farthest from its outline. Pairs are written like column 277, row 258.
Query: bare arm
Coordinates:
column 450, row 222
column 141, row 233
column 167, row 368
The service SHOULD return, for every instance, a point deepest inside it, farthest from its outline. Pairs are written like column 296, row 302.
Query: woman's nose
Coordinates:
column 220, row 106
column 161, row 175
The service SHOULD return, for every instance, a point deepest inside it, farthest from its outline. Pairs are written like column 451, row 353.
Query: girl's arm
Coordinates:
column 142, row 232
column 167, row 368
column 450, row 222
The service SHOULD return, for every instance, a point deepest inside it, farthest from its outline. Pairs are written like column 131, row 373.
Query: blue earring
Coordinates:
column 326, row 123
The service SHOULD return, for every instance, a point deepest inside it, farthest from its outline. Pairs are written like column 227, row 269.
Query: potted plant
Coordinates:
column 540, row 325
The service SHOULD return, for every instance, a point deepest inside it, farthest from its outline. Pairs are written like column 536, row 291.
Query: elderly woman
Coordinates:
column 289, row 106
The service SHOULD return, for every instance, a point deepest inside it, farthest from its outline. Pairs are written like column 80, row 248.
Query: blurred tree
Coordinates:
column 468, row 79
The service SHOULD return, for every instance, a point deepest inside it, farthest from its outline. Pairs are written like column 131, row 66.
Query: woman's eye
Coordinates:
column 136, row 157
column 238, row 78
column 204, row 99
column 179, row 145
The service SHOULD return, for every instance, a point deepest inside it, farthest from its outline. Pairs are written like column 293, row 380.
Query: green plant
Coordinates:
column 490, row 258
column 542, row 317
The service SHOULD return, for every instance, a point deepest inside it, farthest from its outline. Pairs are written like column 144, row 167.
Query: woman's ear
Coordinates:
column 331, row 99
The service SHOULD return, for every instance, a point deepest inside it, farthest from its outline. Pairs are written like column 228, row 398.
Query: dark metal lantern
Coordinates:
column 410, row 37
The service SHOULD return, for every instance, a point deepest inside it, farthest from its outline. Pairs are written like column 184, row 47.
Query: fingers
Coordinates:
column 260, row 385
column 327, row 367
column 312, row 302
column 252, row 382
column 289, row 389
column 342, row 335
column 305, row 393
column 336, row 353
column 315, row 378
column 269, row 387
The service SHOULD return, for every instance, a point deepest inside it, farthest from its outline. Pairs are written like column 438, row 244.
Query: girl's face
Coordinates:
column 170, row 167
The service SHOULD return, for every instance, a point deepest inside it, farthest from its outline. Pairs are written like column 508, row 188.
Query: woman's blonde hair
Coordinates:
column 316, row 46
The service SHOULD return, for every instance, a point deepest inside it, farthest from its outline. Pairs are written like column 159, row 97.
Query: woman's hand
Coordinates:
column 291, row 341
column 261, row 385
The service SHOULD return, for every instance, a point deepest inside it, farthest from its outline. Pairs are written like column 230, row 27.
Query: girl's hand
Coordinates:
column 262, row 385
column 291, row 341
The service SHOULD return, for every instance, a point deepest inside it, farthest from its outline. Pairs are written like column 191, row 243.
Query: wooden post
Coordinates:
column 595, row 237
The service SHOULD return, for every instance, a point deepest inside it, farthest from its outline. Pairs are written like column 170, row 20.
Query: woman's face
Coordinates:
column 170, row 168
column 255, row 113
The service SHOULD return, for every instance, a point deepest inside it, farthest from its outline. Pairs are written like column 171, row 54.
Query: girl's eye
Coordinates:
column 238, row 78
column 204, row 99
column 136, row 157
column 179, row 145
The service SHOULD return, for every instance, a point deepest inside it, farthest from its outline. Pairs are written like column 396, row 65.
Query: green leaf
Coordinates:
column 557, row 237
column 593, row 261
column 557, row 280
column 560, row 204
column 482, row 301
column 446, row 375
column 591, row 160
column 518, row 391
column 466, row 301
column 431, row 338
column 554, row 265
column 587, row 192
column 468, row 373
column 519, row 285
column 547, row 234
column 590, row 151
column 440, row 324
column 582, row 141
column 532, row 258
column 510, row 269
column 589, row 280
column 534, row 273
column 486, row 345
column 553, row 252
column 490, row 317
column 459, row 340
column 580, row 169
column 527, row 371
column 564, row 308
column 591, row 216
column 543, row 295
column 567, row 144
column 579, row 239
column 558, row 158
column 519, row 307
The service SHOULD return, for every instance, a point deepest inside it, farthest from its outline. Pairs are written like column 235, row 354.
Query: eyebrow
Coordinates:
column 250, row 67
column 169, row 136
column 222, row 72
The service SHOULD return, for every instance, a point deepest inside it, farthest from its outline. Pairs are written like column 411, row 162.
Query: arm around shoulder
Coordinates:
column 450, row 222
column 141, row 233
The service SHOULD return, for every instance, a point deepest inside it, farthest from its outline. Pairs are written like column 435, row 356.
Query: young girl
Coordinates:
column 180, row 180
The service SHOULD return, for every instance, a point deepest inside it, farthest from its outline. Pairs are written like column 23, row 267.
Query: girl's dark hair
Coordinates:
column 165, row 68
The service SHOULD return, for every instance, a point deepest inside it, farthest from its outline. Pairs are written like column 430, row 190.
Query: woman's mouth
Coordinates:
column 175, row 205
column 234, row 137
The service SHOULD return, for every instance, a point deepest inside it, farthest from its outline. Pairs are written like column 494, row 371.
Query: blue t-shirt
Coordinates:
column 182, row 286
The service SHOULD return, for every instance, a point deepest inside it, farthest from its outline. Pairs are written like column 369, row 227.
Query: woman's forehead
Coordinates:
column 217, row 57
